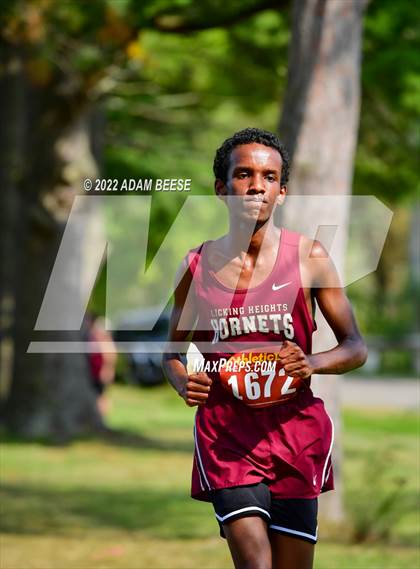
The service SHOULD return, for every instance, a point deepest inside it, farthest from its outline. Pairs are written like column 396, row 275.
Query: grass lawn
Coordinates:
column 125, row 503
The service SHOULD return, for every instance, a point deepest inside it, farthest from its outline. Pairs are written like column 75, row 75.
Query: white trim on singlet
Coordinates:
column 329, row 452
column 247, row 509
column 200, row 463
column 295, row 532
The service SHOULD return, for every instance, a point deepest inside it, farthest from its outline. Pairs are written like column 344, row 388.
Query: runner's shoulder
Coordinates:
column 307, row 247
column 211, row 249
column 189, row 263
column 317, row 267
column 311, row 248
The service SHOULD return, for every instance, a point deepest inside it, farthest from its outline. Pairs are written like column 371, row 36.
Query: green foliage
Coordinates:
column 389, row 146
column 385, row 498
column 381, row 494
column 180, row 85
column 193, row 92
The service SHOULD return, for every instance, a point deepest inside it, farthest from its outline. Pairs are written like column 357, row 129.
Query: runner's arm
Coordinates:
column 321, row 276
column 192, row 388
column 351, row 350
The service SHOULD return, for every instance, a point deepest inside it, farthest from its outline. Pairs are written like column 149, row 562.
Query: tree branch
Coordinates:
column 179, row 23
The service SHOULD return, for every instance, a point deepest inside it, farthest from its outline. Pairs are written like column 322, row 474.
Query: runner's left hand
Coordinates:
column 295, row 362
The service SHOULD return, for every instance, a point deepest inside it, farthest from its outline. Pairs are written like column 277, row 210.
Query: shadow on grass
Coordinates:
column 161, row 514
column 80, row 512
column 132, row 439
column 122, row 438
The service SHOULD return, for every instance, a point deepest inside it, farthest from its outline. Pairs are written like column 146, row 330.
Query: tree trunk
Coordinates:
column 414, row 256
column 11, row 167
column 50, row 395
column 319, row 125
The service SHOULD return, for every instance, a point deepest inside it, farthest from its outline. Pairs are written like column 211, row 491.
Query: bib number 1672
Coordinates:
column 253, row 387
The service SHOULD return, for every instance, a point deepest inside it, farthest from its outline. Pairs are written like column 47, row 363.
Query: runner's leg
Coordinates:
column 249, row 543
column 291, row 552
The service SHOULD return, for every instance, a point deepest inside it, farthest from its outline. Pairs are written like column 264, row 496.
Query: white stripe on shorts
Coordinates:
column 247, row 509
column 200, row 463
column 329, row 451
column 328, row 473
column 199, row 475
column 295, row 532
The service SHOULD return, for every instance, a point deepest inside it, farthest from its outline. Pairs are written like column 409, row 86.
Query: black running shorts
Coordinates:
column 296, row 517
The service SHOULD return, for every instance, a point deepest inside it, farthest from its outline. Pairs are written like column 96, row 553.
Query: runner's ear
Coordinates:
column 220, row 188
column 282, row 195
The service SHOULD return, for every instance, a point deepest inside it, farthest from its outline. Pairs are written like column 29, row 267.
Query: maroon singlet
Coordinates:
column 288, row 446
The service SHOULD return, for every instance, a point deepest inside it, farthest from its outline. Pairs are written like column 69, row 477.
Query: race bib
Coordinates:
column 258, row 379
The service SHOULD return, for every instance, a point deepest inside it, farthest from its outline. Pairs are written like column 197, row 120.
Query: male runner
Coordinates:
column 262, row 466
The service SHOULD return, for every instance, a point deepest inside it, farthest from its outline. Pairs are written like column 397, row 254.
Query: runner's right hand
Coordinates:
column 196, row 389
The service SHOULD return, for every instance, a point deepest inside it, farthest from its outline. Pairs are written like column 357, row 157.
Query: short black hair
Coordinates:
column 248, row 136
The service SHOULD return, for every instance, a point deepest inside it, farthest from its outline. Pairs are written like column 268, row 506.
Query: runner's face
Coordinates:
column 254, row 174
